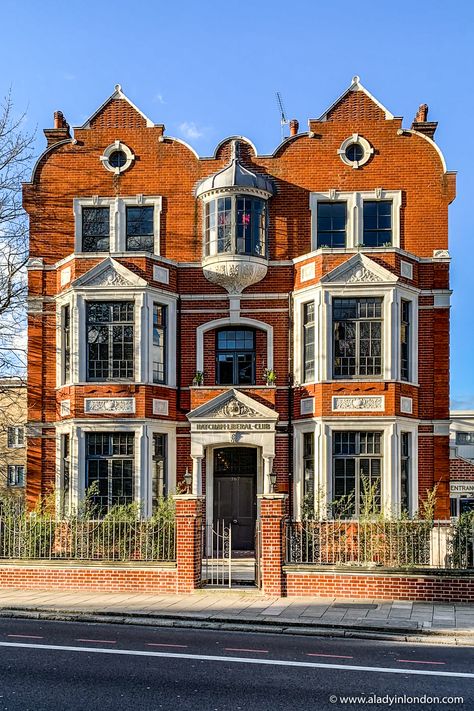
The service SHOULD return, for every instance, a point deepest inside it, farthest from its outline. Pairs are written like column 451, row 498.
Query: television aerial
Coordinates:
column 283, row 120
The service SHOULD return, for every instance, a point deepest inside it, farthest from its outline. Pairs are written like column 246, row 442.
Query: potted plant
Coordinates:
column 269, row 376
column 198, row 378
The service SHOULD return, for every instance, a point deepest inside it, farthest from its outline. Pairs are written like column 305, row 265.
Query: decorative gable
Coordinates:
column 356, row 103
column 118, row 112
column 359, row 269
column 108, row 273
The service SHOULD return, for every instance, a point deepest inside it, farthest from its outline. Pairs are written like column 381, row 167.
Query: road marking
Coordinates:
column 237, row 649
column 101, row 641
column 334, row 656
column 237, row 660
column 418, row 661
column 155, row 644
column 26, row 636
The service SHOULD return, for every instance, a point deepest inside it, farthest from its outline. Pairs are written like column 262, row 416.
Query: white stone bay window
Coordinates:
column 113, row 327
column 129, row 463
column 332, row 459
column 357, row 323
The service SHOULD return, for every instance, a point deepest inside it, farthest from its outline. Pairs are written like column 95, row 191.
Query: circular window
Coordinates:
column 117, row 157
column 355, row 151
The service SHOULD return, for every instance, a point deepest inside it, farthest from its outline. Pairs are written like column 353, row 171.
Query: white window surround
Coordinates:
column 219, row 323
column 113, row 148
column 142, row 458
column 323, row 455
column 322, row 296
column 143, row 298
column 367, row 149
column 117, row 206
column 354, row 214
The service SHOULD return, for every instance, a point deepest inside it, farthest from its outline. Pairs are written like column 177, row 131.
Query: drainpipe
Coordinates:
column 290, row 405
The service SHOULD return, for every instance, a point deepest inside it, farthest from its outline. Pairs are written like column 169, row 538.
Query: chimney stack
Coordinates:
column 421, row 123
column 294, row 126
column 60, row 132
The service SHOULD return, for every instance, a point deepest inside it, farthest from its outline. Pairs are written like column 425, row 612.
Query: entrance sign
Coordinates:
column 232, row 426
column 461, row 487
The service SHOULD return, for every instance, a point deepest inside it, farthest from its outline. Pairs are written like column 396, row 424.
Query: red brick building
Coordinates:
column 240, row 315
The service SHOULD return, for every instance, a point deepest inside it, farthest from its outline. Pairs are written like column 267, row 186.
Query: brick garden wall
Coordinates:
column 435, row 587
column 106, row 578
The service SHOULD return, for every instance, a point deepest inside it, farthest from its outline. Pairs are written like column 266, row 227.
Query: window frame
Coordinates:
column 111, row 325
column 307, row 342
column 18, row 479
column 358, row 456
column 332, row 232
column 208, row 251
column 118, row 222
column 354, row 216
column 235, row 353
column 163, row 475
column 358, row 321
column 164, row 347
column 110, row 458
column 406, row 459
column 15, row 436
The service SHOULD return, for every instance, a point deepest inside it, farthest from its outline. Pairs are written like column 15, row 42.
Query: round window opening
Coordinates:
column 117, row 159
column 355, row 151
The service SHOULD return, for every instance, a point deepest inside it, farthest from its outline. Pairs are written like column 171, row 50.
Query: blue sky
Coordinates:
column 211, row 69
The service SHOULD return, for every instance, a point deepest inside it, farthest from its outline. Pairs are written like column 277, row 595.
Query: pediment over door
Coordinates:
column 233, row 406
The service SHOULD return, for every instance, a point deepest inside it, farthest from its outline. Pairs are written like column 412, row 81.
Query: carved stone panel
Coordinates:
column 232, row 408
column 120, row 405
column 371, row 403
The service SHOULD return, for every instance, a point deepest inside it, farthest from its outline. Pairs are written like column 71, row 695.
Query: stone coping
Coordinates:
column 292, row 568
column 104, row 565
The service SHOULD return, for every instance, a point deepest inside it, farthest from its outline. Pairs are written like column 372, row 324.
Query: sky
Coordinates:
column 211, row 69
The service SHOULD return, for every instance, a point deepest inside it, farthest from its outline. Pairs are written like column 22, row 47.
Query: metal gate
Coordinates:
column 217, row 554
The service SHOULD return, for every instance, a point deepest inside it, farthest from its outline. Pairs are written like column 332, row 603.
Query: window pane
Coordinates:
column 377, row 217
column 110, row 345
column 235, row 357
column 140, row 230
column 331, row 224
column 95, row 229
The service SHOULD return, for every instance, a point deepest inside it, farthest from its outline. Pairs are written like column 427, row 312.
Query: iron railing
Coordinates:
column 389, row 544
column 42, row 538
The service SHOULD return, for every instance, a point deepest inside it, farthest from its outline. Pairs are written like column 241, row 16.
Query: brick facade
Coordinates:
column 405, row 166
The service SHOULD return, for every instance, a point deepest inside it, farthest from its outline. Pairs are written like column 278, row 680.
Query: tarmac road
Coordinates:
column 64, row 665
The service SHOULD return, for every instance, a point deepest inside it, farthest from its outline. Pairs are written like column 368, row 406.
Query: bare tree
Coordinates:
column 16, row 152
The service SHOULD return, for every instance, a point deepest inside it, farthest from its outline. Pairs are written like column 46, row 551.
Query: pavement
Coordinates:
column 247, row 610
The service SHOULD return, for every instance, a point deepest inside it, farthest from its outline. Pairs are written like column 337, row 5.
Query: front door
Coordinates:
column 235, row 501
